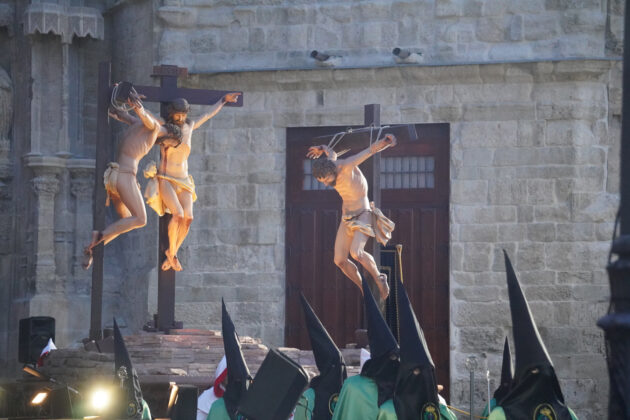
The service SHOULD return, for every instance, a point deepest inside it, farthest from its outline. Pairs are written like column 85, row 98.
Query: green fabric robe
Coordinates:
column 305, row 405
column 388, row 410
column 218, row 411
column 358, row 400
column 498, row 414
column 146, row 412
column 493, row 403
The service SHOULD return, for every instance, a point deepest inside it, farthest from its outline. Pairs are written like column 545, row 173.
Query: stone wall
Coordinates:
column 259, row 34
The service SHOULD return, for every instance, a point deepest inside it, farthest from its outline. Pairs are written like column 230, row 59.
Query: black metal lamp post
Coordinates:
column 616, row 324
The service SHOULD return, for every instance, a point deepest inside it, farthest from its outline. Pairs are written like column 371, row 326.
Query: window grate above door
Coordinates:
column 407, row 172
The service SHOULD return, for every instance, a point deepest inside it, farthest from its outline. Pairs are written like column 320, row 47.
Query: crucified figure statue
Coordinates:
column 176, row 189
column 120, row 180
column 360, row 219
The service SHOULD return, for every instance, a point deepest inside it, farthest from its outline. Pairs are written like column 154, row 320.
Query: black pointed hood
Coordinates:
column 329, row 361
column 507, row 373
column 529, row 347
column 384, row 352
column 416, row 386
column 535, row 388
column 381, row 339
column 126, row 376
column 238, row 373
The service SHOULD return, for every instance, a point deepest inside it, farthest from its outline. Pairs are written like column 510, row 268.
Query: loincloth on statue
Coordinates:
column 110, row 181
column 152, row 191
column 380, row 228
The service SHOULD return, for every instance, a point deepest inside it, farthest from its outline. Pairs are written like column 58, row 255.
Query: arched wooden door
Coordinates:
column 414, row 179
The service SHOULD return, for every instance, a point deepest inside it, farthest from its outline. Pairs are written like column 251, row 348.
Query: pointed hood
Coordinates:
column 237, row 371
column 381, row 339
column 413, row 346
column 535, row 390
column 329, row 361
column 507, row 373
column 127, row 377
column 529, row 347
column 383, row 364
column 416, row 386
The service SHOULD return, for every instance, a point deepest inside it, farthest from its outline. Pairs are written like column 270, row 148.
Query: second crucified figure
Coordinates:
column 175, row 190
column 360, row 219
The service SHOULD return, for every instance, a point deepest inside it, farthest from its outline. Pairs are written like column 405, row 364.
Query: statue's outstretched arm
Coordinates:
column 230, row 97
column 355, row 160
column 149, row 121
column 123, row 117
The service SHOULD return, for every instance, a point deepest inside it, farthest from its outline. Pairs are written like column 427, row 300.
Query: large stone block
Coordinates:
column 477, row 256
column 491, row 29
column 469, row 192
column 575, row 255
column 499, row 112
column 474, row 314
column 541, row 26
column 478, row 233
column 506, row 190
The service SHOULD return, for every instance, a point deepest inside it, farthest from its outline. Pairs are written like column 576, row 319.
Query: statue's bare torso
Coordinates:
column 175, row 159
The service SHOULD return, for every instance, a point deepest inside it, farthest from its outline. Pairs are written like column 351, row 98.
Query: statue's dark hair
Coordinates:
column 173, row 131
column 177, row 105
column 322, row 167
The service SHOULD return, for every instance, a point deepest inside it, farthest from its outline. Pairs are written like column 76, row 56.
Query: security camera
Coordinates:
column 405, row 56
column 319, row 56
column 325, row 60
column 402, row 54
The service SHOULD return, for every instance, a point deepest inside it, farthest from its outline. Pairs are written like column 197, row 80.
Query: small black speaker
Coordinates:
column 275, row 390
column 186, row 406
column 34, row 335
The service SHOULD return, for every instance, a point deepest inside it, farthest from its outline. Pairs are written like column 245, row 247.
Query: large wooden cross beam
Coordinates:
column 165, row 93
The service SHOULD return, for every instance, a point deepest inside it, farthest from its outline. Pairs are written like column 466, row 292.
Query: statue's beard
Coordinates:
column 177, row 123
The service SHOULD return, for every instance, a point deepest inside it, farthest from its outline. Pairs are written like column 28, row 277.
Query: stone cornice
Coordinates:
column 41, row 164
column 65, row 21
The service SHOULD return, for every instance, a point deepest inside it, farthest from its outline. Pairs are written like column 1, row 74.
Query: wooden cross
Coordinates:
column 166, row 92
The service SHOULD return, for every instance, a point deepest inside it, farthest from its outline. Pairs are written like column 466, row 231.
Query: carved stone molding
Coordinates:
column 63, row 20
column 45, row 173
column 45, row 185
column 81, row 177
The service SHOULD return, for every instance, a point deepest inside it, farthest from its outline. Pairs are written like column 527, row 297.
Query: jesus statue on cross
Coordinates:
column 360, row 218
column 172, row 188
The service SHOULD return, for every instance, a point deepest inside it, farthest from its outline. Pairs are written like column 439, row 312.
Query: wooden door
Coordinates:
column 414, row 179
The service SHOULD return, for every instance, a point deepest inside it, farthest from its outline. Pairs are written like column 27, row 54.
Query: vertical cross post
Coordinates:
column 103, row 152
column 372, row 117
column 165, row 319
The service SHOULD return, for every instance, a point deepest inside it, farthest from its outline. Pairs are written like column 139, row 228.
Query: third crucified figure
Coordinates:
column 360, row 219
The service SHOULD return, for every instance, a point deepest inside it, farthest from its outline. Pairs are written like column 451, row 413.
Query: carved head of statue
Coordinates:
column 177, row 111
column 325, row 170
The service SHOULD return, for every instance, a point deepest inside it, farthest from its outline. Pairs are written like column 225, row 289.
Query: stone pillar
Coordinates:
column 82, row 189
column 45, row 184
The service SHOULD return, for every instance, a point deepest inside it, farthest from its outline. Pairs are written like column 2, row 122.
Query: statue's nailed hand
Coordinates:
column 231, row 97
column 135, row 100
column 315, row 151
column 390, row 140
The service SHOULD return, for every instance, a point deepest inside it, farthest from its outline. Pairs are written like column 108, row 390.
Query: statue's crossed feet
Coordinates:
column 171, row 262
column 87, row 251
column 382, row 285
